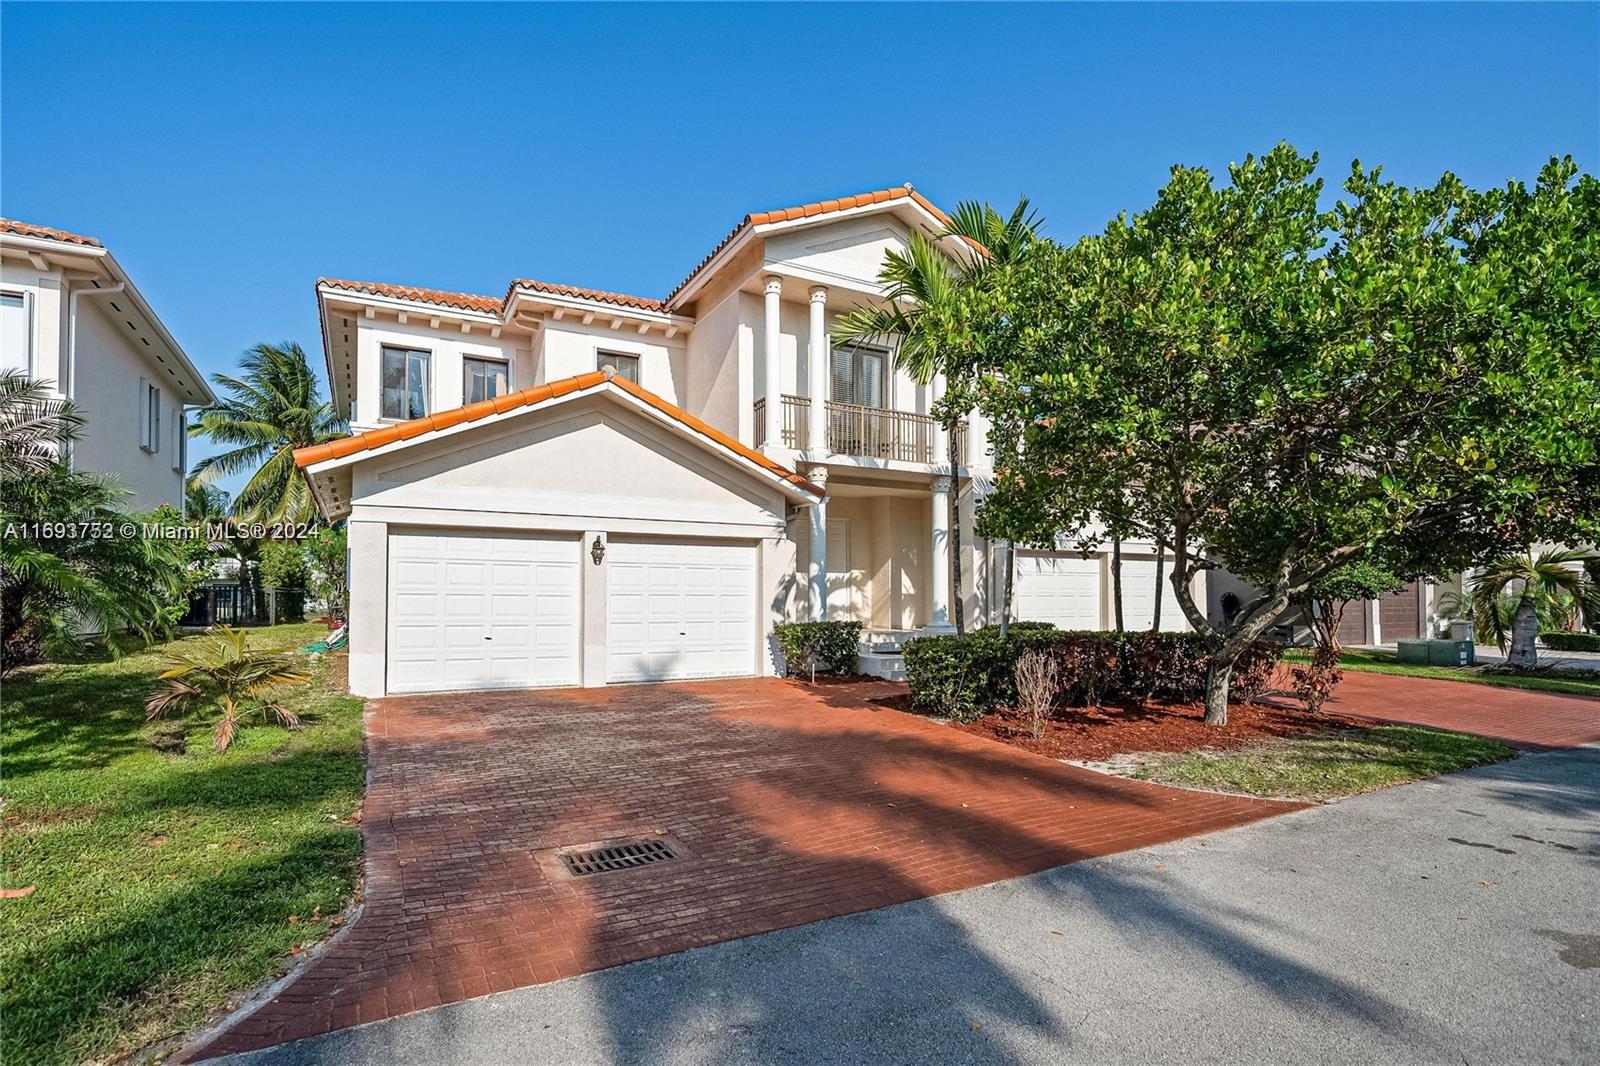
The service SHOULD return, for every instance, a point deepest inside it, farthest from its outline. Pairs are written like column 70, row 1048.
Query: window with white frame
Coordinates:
column 406, row 389
column 626, row 366
column 149, row 416
column 484, row 378
column 180, row 439
column 860, row 375
column 16, row 334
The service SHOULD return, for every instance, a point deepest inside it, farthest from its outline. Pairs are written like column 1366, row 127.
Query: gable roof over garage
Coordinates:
column 326, row 466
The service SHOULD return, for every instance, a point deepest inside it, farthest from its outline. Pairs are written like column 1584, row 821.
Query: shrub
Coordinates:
column 829, row 647
column 1036, row 687
column 965, row 677
column 1560, row 640
column 283, row 566
column 1315, row 682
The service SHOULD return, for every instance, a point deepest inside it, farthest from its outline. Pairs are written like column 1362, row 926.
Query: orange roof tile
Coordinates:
column 639, row 303
column 465, row 301
column 536, row 394
column 45, row 233
column 821, row 207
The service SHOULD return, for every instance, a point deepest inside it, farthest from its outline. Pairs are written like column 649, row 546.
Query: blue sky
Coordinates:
column 230, row 154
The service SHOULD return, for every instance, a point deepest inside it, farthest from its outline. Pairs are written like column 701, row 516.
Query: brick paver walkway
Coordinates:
column 794, row 803
column 1525, row 719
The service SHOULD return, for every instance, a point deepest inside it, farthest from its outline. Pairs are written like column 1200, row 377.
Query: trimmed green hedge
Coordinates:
column 966, row 677
column 1560, row 640
column 818, row 647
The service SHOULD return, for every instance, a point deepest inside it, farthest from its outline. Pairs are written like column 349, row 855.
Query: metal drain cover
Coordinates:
column 623, row 855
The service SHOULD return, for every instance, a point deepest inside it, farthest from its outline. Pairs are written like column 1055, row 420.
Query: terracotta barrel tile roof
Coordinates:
column 465, row 301
column 536, row 394
column 46, row 233
column 640, row 303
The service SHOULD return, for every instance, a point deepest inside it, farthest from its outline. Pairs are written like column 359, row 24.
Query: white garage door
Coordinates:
column 476, row 610
column 1061, row 589
column 1139, row 596
column 680, row 609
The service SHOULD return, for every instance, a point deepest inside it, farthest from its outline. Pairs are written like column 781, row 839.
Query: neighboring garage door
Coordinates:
column 1139, row 596
column 477, row 610
column 1063, row 590
column 679, row 609
column 1400, row 615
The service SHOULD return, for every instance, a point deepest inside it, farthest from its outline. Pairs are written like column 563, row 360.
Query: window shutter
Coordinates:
column 843, row 375
column 180, row 441
column 144, row 413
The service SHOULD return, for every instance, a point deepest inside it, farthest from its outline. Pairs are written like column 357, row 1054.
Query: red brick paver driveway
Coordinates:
column 794, row 803
column 1522, row 718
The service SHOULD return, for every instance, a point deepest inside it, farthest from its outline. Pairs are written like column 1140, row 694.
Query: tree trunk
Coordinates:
column 1155, row 617
column 1217, row 675
column 1524, row 631
column 1116, row 581
column 958, row 615
column 1005, row 595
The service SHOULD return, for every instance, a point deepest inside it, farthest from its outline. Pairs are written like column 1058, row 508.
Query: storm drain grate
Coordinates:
column 625, row 856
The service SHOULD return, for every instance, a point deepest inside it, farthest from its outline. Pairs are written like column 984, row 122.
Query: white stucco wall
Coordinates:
column 568, row 348
column 722, row 356
column 46, row 309
column 447, row 347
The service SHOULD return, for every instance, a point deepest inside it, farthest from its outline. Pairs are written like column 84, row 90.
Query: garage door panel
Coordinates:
column 471, row 609
column 1139, row 596
column 1064, row 590
column 680, row 610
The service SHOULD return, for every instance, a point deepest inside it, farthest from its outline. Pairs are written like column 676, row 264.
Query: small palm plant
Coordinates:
column 222, row 670
column 1512, row 595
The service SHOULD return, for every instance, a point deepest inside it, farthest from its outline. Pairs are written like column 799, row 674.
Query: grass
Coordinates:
column 1572, row 682
column 162, row 882
column 1325, row 766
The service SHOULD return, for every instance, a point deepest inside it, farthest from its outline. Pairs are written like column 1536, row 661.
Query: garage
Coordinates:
column 482, row 610
column 677, row 610
column 1064, row 590
column 1139, row 596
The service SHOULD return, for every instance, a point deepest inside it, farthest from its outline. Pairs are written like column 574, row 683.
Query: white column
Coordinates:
column 977, row 441
column 368, row 574
column 772, row 420
column 818, row 568
column 939, row 557
column 817, row 376
column 594, row 582
column 941, row 437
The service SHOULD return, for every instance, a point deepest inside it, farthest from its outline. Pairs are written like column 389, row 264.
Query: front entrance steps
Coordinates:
column 880, row 652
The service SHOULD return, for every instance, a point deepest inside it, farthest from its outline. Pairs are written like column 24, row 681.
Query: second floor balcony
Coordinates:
column 861, row 431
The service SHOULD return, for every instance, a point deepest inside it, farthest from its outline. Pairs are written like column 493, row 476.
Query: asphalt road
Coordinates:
column 1456, row 920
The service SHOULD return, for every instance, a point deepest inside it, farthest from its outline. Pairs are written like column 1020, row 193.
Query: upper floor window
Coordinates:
column 860, row 375
column 483, row 379
column 149, row 416
column 626, row 366
column 405, row 382
column 16, row 339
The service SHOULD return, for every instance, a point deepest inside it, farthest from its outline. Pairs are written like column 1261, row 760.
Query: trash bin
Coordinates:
column 1462, row 631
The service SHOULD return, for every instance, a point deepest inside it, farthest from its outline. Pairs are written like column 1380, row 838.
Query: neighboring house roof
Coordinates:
column 46, row 233
column 372, row 440
column 97, row 268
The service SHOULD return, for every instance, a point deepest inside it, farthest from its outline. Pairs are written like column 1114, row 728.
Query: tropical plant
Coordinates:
column 272, row 408
column 1293, row 383
column 221, row 670
column 69, row 568
column 1546, row 590
column 931, row 303
column 326, row 549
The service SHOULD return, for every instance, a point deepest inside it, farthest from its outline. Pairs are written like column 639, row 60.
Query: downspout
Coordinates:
column 70, row 384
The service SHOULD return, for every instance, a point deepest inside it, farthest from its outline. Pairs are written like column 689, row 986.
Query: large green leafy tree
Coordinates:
column 68, row 565
column 931, row 307
column 273, row 407
column 1513, row 595
column 1411, row 371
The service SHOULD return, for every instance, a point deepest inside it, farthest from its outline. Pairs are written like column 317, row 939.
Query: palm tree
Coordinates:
column 222, row 669
column 923, row 311
column 57, row 588
column 272, row 408
column 1525, row 589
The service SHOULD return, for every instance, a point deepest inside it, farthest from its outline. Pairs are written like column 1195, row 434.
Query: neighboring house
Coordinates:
column 71, row 316
column 562, row 486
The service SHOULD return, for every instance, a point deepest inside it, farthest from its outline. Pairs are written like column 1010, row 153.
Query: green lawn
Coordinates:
column 1574, row 682
column 1326, row 766
column 162, row 882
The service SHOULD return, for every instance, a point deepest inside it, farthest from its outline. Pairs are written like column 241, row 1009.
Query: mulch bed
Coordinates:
column 1094, row 734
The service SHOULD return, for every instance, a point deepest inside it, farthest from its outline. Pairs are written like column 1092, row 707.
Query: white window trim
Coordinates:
column 427, row 398
column 489, row 357
column 27, row 327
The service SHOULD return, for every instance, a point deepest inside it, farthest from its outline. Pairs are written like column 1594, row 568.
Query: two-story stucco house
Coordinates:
column 71, row 316
column 561, row 486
